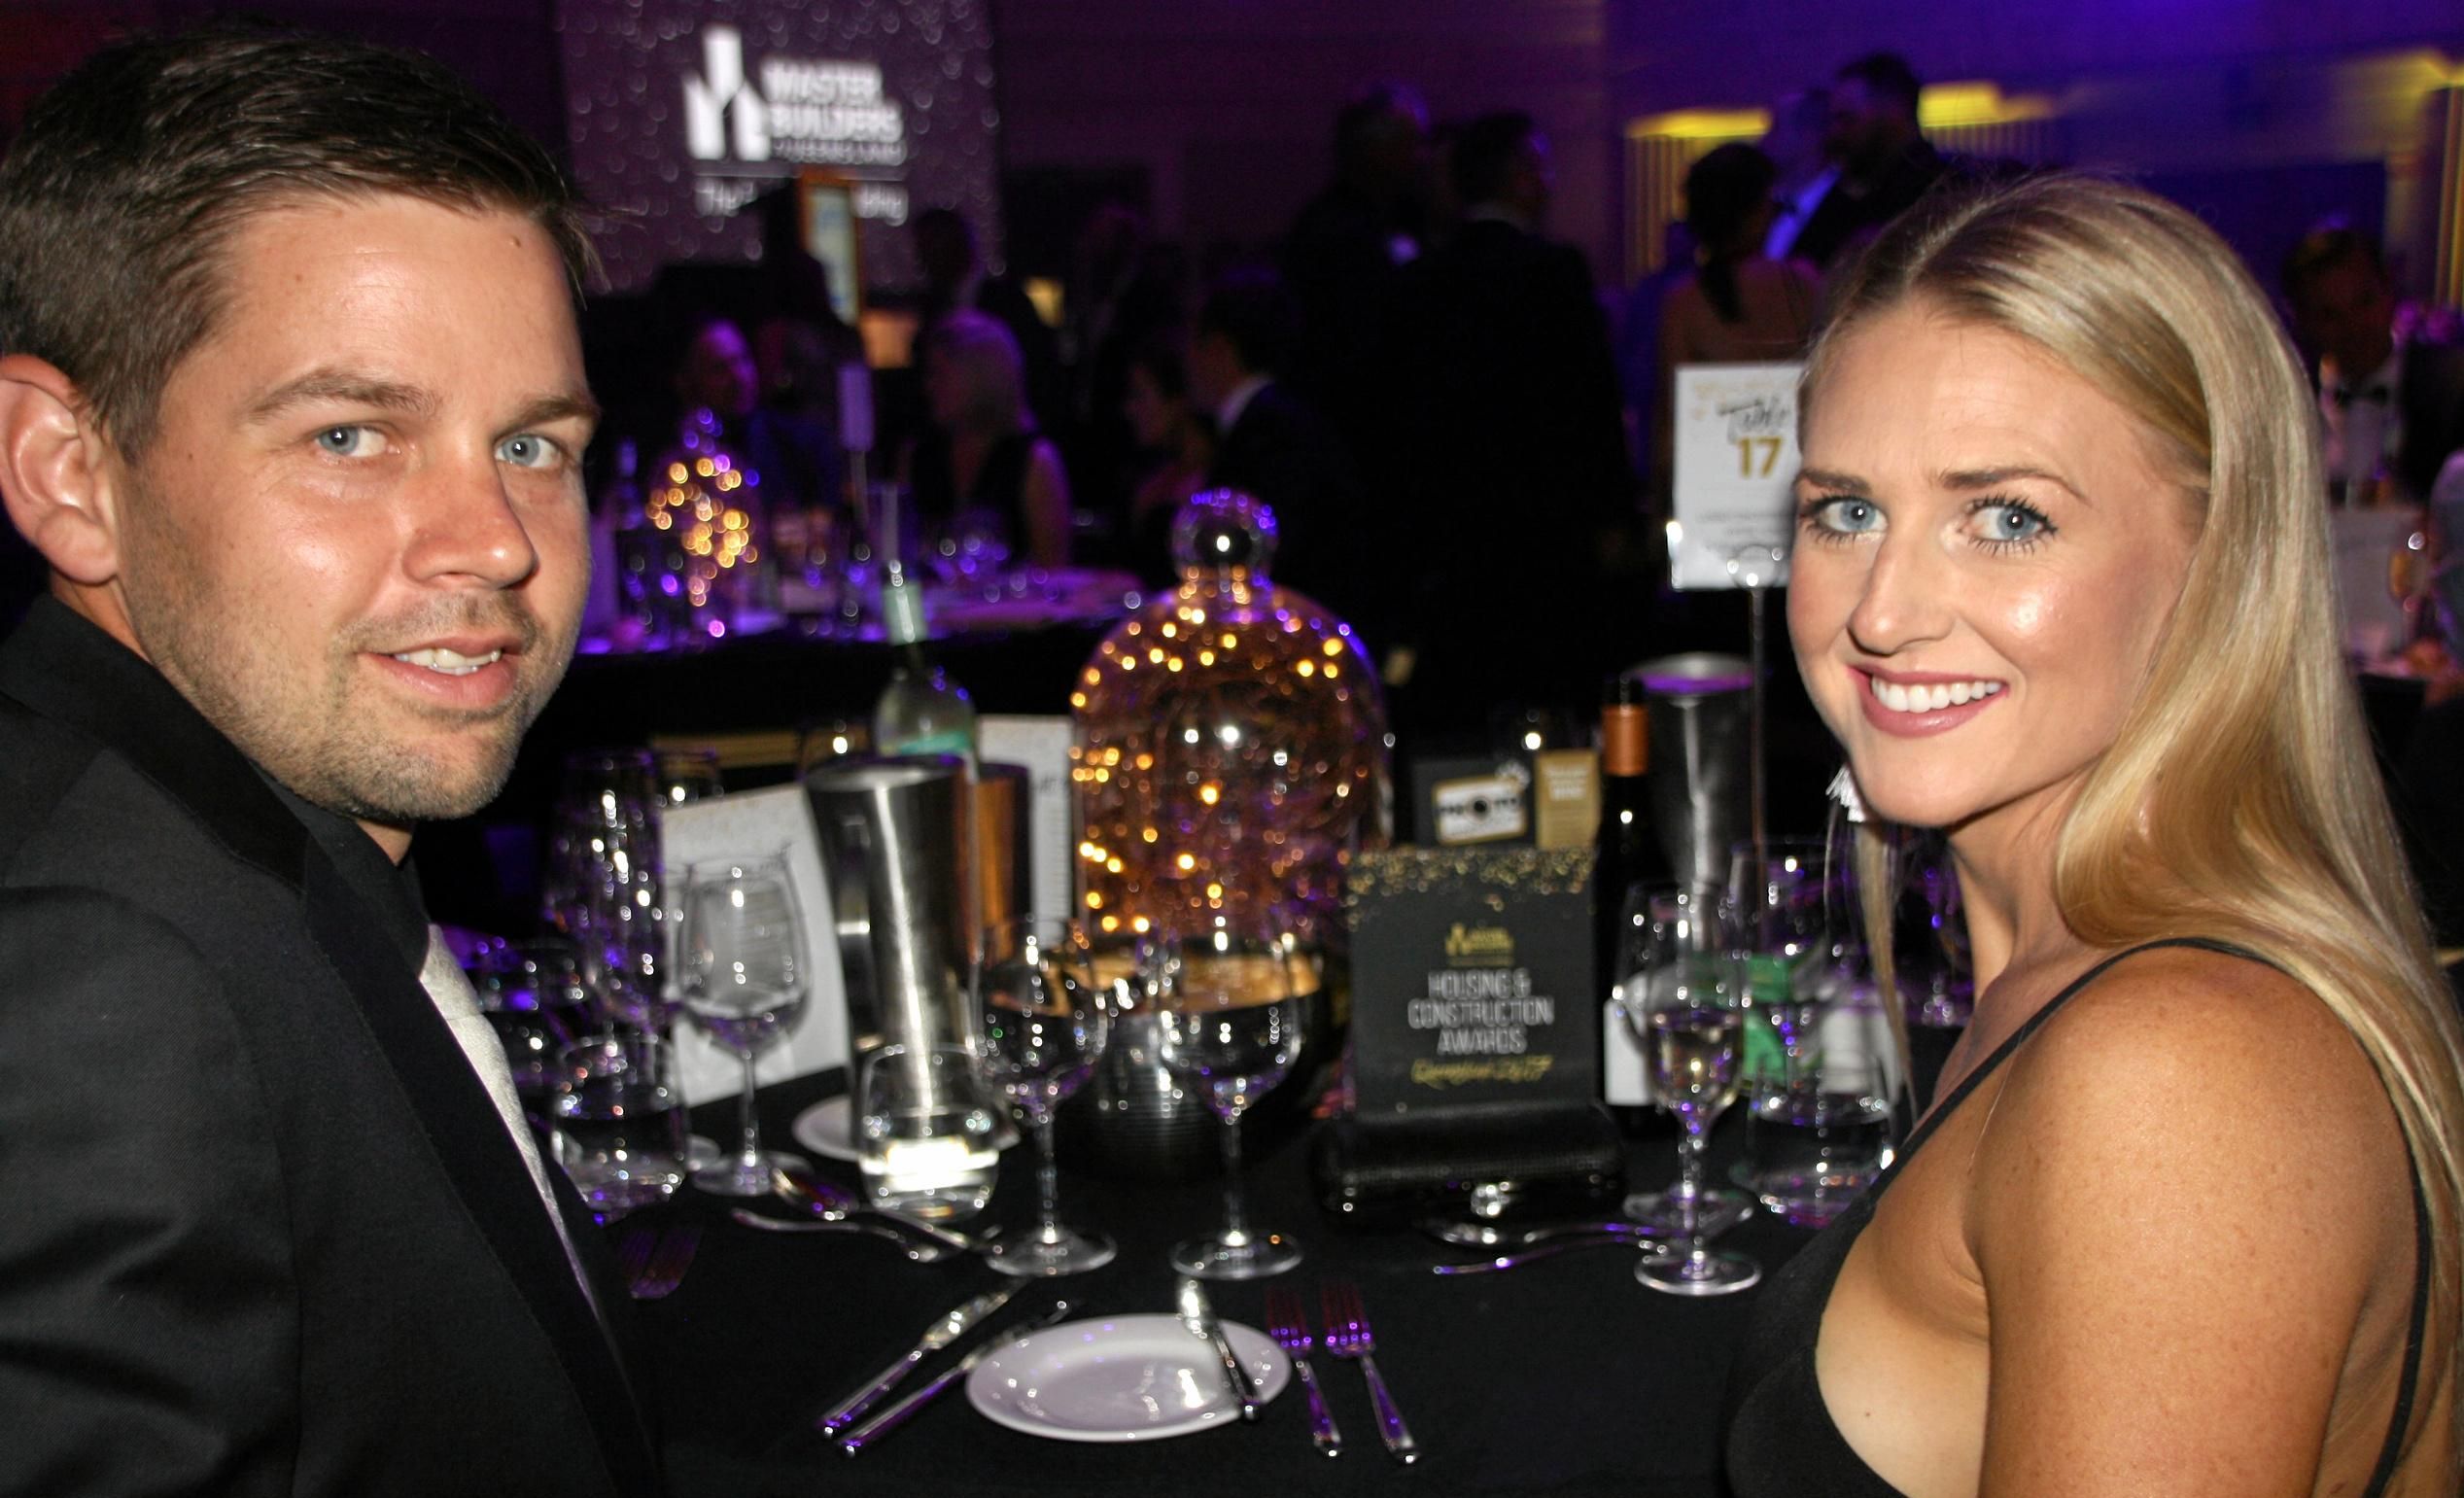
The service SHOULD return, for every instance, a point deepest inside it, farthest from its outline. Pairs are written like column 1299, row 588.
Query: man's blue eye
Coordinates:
column 346, row 442
column 526, row 451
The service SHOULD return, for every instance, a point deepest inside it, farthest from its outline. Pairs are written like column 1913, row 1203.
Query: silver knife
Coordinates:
column 1200, row 1319
column 949, row 1329
column 864, row 1435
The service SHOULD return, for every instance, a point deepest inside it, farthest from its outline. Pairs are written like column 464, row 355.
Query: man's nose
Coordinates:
column 467, row 529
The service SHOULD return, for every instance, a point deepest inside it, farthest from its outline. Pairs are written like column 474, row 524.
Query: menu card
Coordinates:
column 1472, row 985
column 1736, row 458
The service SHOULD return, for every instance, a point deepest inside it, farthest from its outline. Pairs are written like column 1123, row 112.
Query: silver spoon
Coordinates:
column 832, row 1204
column 921, row 1253
column 1489, row 1234
column 1552, row 1248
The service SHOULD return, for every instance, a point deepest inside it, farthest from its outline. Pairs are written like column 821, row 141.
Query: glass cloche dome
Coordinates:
column 1232, row 743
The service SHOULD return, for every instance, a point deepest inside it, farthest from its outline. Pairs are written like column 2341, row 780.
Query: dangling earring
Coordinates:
column 1851, row 803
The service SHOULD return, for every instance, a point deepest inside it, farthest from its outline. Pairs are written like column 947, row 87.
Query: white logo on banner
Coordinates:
column 825, row 113
column 719, row 94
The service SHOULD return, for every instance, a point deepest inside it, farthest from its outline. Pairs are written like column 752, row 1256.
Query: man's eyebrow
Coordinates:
column 344, row 388
column 548, row 410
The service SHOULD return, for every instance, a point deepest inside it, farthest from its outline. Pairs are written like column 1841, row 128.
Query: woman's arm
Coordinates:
column 2190, row 1206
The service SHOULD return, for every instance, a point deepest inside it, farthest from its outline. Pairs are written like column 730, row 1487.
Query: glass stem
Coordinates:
column 1047, row 1180
column 1689, row 1202
column 1235, row 1223
column 747, row 1122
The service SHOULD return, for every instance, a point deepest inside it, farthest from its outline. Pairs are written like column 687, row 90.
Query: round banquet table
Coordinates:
column 1560, row 1377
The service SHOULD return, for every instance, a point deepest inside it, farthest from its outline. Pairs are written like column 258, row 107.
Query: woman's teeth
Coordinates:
column 1932, row 697
column 452, row 663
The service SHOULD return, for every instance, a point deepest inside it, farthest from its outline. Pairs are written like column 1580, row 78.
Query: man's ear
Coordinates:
column 56, row 472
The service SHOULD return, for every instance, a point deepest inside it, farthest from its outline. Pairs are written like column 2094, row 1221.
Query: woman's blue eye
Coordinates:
column 2006, row 522
column 346, row 442
column 1848, row 517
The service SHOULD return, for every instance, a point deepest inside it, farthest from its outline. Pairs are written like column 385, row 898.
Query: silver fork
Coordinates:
column 667, row 1267
column 1290, row 1331
column 1348, row 1336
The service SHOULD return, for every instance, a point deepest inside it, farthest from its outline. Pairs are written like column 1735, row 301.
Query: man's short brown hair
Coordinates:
column 120, row 197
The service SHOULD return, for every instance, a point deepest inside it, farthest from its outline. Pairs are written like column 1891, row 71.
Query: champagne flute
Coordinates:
column 743, row 958
column 1043, row 1022
column 1688, row 1019
column 1231, row 1019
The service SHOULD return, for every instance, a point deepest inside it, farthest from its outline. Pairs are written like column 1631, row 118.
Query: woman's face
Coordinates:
column 1151, row 412
column 1987, row 555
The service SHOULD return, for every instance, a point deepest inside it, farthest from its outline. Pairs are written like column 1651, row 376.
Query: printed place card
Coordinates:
column 1736, row 456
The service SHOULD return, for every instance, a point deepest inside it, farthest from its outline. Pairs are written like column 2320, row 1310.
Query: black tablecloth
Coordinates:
column 1565, row 1376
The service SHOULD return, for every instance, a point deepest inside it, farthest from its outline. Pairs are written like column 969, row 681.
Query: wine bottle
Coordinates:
column 1628, row 855
column 921, row 711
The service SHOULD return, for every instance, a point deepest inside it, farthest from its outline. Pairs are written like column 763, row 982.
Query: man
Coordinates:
column 2391, row 400
column 1273, row 445
column 292, row 403
column 1885, row 165
column 1346, row 251
column 799, row 461
column 1509, row 445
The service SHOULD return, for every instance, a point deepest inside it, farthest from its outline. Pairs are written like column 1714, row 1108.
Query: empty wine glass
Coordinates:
column 1232, row 1017
column 602, row 883
column 1686, row 1015
column 1043, row 1019
column 742, row 960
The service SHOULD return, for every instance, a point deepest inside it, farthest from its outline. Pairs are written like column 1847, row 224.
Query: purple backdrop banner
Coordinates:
column 680, row 112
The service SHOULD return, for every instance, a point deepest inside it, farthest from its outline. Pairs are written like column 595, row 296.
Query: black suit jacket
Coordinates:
column 263, row 1232
column 2433, row 397
column 1280, row 451
column 1840, row 221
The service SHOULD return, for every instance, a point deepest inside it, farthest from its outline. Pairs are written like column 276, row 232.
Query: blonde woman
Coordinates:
column 984, row 453
column 2184, row 1219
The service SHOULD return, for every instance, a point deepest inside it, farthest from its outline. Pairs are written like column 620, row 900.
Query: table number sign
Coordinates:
column 1472, row 981
column 1736, row 456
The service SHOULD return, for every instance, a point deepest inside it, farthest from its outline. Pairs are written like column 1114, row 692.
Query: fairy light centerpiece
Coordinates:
column 708, row 503
column 1232, row 746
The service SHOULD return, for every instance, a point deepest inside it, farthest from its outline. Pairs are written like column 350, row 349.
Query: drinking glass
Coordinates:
column 927, row 1140
column 619, row 1121
column 742, row 956
column 1689, row 1021
column 1043, row 1021
column 602, row 883
column 1644, row 945
column 1792, row 924
column 1230, row 1023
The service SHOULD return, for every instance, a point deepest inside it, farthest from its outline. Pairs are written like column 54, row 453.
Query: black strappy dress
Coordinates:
column 1781, row 1442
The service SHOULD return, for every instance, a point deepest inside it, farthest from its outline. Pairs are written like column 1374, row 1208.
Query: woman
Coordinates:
column 2184, row 1217
column 984, row 452
column 1739, row 306
column 1168, row 429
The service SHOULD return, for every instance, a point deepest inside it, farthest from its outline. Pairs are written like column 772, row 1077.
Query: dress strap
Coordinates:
column 2409, row 1383
column 2018, row 1037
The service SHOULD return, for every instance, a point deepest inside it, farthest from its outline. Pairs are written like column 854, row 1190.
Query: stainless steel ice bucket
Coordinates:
column 1700, row 728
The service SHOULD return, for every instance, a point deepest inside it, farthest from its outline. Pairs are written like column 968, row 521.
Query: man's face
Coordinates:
column 720, row 373
column 359, row 541
column 2347, row 311
column 1861, row 125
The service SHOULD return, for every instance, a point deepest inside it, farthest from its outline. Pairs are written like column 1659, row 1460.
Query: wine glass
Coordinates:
column 1645, row 944
column 1231, row 1022
column 1043, row 1022
column 742, row 959
column 1792, row 923
column 602, row 883
column 1688, row 1019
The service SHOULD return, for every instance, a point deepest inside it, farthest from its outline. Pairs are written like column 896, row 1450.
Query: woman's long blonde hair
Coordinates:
column 2240, row 800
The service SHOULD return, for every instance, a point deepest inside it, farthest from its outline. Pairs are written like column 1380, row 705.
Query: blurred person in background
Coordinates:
column 983, row 455
column 1178, row 442
column 2390, row 387
column 957, row 280
column 799, row 460
column 1798, row 144
column 1885, row 164
column 1344, row 255
column 1739, row 306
